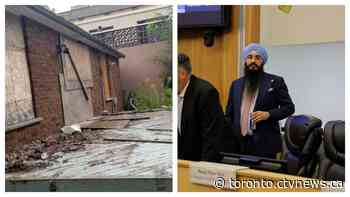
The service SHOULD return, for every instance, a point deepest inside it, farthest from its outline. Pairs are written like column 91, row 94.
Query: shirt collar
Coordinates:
column 182, row 94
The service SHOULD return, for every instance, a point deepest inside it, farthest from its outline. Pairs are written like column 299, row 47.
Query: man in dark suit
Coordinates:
column 256, row 103
column 200, row 116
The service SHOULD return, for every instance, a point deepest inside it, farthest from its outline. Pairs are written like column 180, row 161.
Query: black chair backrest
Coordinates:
column 334, row 141
column 331, row 155
column 303, row 136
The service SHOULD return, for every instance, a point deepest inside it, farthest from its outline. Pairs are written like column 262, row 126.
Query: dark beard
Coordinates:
column 252, row 78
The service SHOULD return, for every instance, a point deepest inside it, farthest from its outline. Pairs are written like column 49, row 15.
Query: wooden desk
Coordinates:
column 184, row 184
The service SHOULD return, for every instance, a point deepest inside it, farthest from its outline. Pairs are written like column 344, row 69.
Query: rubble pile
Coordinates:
column 41, row 153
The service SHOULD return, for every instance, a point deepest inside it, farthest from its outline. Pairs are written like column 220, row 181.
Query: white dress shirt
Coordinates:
column 180, row 101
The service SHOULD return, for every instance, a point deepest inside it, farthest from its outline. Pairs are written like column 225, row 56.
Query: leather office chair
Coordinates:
column 302, row 138
column 331, row 155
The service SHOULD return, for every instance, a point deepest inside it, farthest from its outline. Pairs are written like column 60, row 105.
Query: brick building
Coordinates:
column 56, row 75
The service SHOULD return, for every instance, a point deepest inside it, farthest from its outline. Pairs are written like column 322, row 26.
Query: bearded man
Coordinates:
column 256, row 104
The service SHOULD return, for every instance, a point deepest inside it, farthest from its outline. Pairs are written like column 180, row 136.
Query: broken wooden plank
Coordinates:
column 140, row 112
column 134, row 134
column 125, row 117
column 124, row 112
column 143, row 141
column 160, row 124
column 122, row 159
column 100, row 124
column 159, row 129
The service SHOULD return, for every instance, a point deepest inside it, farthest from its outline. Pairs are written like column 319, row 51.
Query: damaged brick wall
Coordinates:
column 42, row 57
column 44, row 69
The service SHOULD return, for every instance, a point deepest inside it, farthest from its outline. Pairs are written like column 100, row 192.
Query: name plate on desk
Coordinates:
column 213, row 174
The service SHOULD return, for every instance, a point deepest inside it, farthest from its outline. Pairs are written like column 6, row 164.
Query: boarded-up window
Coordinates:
column 76, row 106
column 81, row 57
column 19, row 102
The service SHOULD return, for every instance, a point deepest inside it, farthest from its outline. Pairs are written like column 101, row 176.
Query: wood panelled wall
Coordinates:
column 219, row 64
column 252, row 24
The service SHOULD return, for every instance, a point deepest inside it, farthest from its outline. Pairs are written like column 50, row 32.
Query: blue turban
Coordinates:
column 258, row 49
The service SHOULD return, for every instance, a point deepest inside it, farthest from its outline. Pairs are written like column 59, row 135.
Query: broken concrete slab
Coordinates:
column 161, row 122
column 141, row 112
column 114, row 160
column 136, row 140
column 138, row 153
column 140, row 135
column 95, row 163
column 100, row 124
column 125, row 117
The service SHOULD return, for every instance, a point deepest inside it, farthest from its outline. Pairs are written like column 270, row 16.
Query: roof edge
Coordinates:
column 58, row 19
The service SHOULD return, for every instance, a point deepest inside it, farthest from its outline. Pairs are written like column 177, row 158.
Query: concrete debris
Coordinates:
column 44, row 156
column 71, row 129
column 41, row 153
column 57, row 154
column 73, row 147
column 113, row 140
column 95, row 163
column 37, row 163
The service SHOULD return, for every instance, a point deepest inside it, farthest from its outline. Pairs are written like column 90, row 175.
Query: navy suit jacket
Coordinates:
column 274, row 98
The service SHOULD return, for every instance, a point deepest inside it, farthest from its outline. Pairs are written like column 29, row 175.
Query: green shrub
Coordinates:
column 149, row 96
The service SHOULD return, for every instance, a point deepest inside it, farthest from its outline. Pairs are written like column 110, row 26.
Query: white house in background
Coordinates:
column 145, row 31
column 103, row 18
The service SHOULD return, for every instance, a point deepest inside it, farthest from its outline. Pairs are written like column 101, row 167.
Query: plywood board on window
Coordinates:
column 14, row 34
column 81, row 57
column 75, row 107
column 19, row 104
